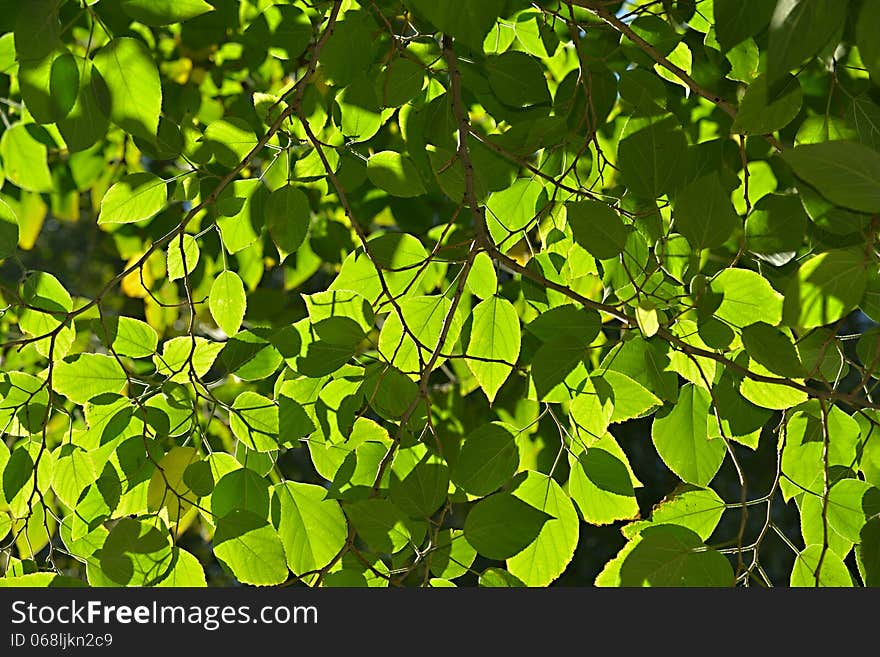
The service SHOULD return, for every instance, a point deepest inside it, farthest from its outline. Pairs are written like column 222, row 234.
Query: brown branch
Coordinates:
column 464, row 129
column 675, row 341
column 600, row 11
column 299, row 89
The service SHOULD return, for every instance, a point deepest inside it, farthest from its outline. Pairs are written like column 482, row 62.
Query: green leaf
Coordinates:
column 23, row 406
column 423, row 490
column 322, row 321
column 453, row 555
column 333, row 343
column 182, row 259
column 744, row 59
column 197, row 476
column 361, row 116
column 597, row 228
column 285, row 31
column 24, row 159
column 350, row 35
column 704, row 214
column 391, row 390
column 846, row 173
column 746, row 298
column 822, row 355
column 241, row 207
column 610, row 574
column 136, row 552
column 813, row 526
column 680, row 56
column 802, row 454
column 42, row 60
column 37, row 28
column 132, row 337
column 570, row 321
column 657, row 32
column 869, row 49
column 776, row 224
column 672, row 555
column 517, row 79
column 495, row 337
column 164, row 12
column 230, row 140
column 682, row 439
column 629, row 397
column 254, row 420
column 339, row 303
column 436, row 583
column 425, row 318
column 17, row 473
column 826, row 288
column 287, row 217
column 592, row 408
column 312, row 528
column 227, row 301
column 467, row 21
column 849, row 506
column 40, row 580
column 647, row 362
column 502, row 525
column 395, row 173
column 399, row 255
column 798, row 30
column 648, row 320
column 552, row 366
column 697, row 509
column 87, row 121
column 133, row 85
column 760, row 113
column 511, row 210
column 600, row 484
column 241, row 489
column 186, row 571
column 73, row 472
column 135, row 197
column 833, row 571
column 773, row 349
column 650, row 158
column 293, row 422
column 499, row 578
column 736, row 20
column 84, row 376
column 544, row 559
column 182, row 353
column 482, row 280
column 48, row 303
column 644, row 90
column 9, row 230
column 777, row 396
column 167, row 488
column 399, row 82
column 251, row 548
column 488, row 459
column 49, row 85
column 381, row 524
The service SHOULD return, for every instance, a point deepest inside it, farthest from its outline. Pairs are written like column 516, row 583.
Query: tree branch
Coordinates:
column 599, row 10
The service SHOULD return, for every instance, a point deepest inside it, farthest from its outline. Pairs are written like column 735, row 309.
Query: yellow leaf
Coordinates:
column 648, row 321
column 167, row 488
column 133, row 284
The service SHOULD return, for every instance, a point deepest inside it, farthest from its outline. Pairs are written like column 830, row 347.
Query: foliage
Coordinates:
column 378, row 292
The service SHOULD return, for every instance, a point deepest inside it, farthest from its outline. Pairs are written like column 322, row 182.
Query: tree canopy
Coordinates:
column 440, row 292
